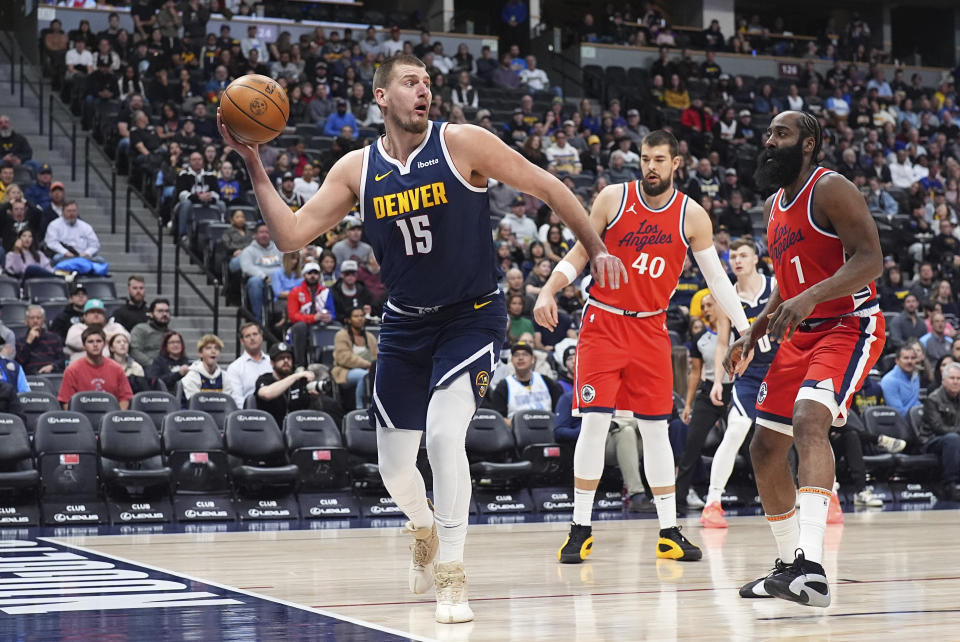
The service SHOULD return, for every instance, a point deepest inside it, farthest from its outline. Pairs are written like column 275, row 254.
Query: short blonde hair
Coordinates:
column 206, row 340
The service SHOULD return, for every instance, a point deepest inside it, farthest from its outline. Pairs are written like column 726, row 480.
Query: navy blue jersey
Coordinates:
column 765, row 350
column 429, row 227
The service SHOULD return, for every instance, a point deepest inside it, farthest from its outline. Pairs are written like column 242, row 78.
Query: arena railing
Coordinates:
column 131, row 217
column 180, row 275
column 110, row 184
column 69, row 133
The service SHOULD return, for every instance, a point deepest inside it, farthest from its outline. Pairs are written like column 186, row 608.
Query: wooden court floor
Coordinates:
column 894, row 576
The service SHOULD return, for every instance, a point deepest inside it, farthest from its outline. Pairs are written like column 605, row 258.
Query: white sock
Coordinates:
column 582, row 506
column 714, row 495
column 448, row 417
column 786, row 530
column 588, row 459
column 814, row 505
column 666, row 509
column 397, row 456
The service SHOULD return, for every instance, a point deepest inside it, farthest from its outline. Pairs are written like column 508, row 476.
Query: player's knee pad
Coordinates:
column 588, row 457
column 657, row 453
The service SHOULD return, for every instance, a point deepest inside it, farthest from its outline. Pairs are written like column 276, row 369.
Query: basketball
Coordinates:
column 255, row 109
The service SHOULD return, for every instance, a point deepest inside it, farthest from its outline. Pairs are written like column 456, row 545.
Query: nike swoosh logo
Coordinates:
column 477, row 306
column 378, row 177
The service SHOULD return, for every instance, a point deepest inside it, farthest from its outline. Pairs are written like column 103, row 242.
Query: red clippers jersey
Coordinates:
column 652, row 246
column 804, row 254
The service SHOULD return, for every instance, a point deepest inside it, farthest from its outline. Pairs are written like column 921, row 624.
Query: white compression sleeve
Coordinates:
column 397, row 455
column 721, row 288
column 448, row 417
column 723, row 460
column 589, row 454
column 566, row 268
column 657, row 454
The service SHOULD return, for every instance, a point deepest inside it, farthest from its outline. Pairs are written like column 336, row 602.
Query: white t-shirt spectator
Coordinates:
column 535, row 80
column 79, row 59
column 305, row 189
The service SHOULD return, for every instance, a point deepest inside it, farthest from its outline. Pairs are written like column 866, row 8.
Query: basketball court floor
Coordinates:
column 894, row 576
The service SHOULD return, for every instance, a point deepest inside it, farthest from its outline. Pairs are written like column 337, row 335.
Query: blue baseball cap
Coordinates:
column 94, row 304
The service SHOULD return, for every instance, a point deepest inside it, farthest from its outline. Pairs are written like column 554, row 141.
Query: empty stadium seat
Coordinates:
column 491, row 450
column 533, row 431
column 103, row 289
column 879, row 465
column 216, row 404
column 360, row 437
column 316, row 449
column 53, row 381
column 157, row 405
column 14, row 311
column 194, row 451
column 66, row 451
column 884, row 420
column 38, row 384
column 9, row 293
column 46, row 290
column 34, row 404
column 93, row 405
column 130, row 452
column 256, row 452
column 17, row 469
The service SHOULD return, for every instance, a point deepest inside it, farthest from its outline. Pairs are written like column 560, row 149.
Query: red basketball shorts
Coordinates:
column 827, row 365
column 623, row 365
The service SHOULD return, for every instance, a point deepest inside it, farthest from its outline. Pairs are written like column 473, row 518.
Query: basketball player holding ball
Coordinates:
column 623, row 354
column 826, row 253
column 422, row 189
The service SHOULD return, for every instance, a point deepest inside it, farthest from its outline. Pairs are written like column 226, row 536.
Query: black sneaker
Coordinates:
column 804, row 582
column 754, row 589
column 672, row 545
column 578, row 545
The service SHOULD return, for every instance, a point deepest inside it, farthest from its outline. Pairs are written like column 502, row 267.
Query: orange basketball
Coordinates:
column 255, row 109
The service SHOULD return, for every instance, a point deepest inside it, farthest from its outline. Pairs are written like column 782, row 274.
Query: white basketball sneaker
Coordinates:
column 423, row 551
column 451, row 581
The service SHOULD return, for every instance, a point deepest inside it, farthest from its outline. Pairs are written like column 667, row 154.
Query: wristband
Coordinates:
column 566, row 268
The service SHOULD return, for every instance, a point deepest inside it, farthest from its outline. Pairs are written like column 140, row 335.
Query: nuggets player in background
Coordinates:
column 422, row 190
column 826, row 253
column 623, row 353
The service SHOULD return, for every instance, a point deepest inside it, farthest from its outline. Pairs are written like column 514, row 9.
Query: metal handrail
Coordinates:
column 111, row 185
column 157, row 240
column 72, row 134
column 37, row 91
column 179, row 274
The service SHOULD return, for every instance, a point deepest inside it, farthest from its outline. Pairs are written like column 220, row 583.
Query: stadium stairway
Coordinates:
column 195, row 318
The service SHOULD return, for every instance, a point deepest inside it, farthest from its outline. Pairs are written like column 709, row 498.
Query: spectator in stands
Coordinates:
column 535, row 79
column 14, row 147
column 257, row 262
column 24, row 260
column 243, row 373
column 522, row 226
column 119, row 349
column 736, row 219
column 285, row 278
column 354, row 353
column 70, row 237
column 676, row 95
column 351, row 247
column 39, row 193
column 322, row 105
column 940, row 429
column 195, row 187
column 72, row 312
column 8, row 341
column 282, row 390
column 901, row 170
column 464, row 93
column 94, row 314
column 306, row 186
column 908, row 324
column 309, row 303
column 6, row 178
column 94, row 371
column 39, row 351
column 901, row 386
column 171, row 363
column 766, row 102
column 251, row 42
column 924, row 285
column 879, row 201
column 236, row 238
column 79, row 62
column 486, row 65
column 144, row 141
column 936, row 344
column 335, row 122
column 504, row 76
column 524, row 389
column 617, row 172
column 562, row 156
column 204, row 374
column 349, row 292
column 147, row 337
column 134, row 309
column 519, row 321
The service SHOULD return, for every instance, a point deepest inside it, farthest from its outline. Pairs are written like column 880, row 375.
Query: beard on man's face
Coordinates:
column 661, row 186
column 777, row 167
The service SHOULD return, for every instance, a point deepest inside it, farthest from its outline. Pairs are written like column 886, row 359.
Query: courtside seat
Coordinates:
column 157, row 405
column 491, row 450
column 130, row 451
column 256, row 452
column 194, row 451
column 316, row 449
column 216, row 404
column 533, row 431
column 93, row 405
column 66, row 451
column 360, row 437
column 879, row 465
column 34, row 404
column 17, row 468
column 884, row 420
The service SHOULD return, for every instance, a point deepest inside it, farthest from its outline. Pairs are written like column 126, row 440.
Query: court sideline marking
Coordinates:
column 310, row 609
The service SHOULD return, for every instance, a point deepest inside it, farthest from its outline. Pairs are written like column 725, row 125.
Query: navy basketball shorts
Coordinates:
column 745, row 390
column 423, row 352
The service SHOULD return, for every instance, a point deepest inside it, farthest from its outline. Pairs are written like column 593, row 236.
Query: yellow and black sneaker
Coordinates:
column 672, row 545
column 577, row 546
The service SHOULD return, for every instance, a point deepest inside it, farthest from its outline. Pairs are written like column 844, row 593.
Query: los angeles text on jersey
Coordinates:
column 645, row 234
column 783, row 239
column 410, row 200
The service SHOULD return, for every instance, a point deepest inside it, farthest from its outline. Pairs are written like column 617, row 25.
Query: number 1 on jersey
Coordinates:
column 796, row 262
column 656, row 266
column 421, row 233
